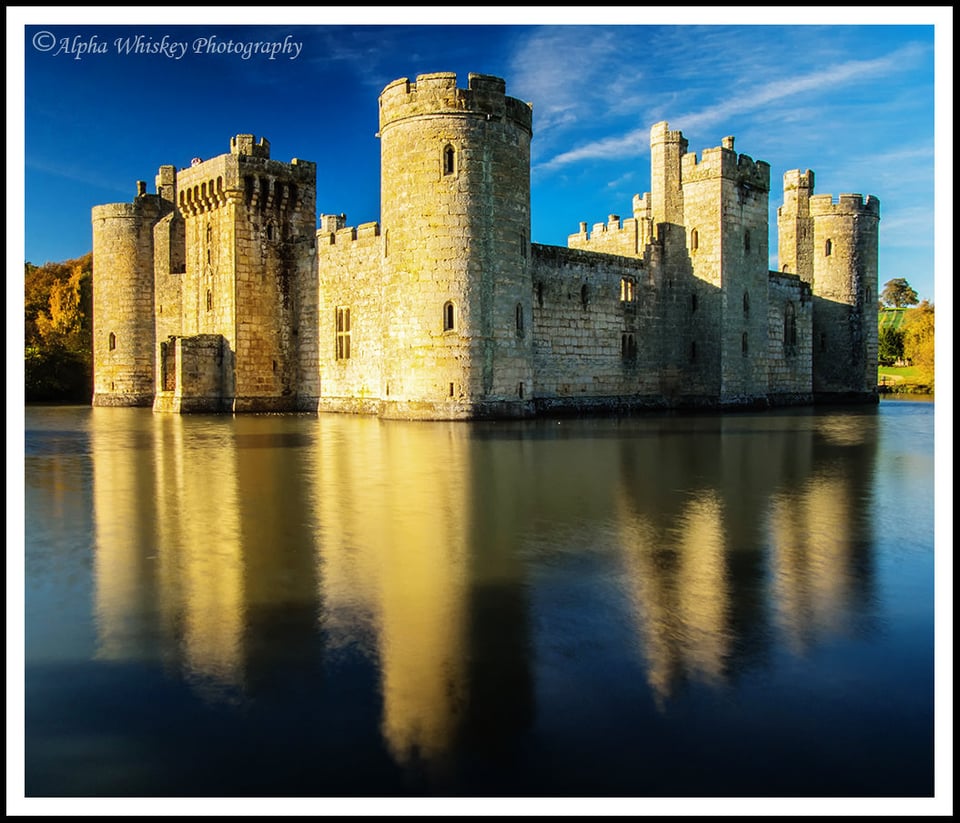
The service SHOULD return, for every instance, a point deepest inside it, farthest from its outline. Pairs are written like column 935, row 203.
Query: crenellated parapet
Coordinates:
column 333, row 233
column 613, row 237
column 847, row 205
column 724, row 162
column 437, row 93
column 246, row 175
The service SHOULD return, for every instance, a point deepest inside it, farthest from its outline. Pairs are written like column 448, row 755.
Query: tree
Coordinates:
column 898, row 293
column 918, row 341
column 891, row 345
column 58, row 310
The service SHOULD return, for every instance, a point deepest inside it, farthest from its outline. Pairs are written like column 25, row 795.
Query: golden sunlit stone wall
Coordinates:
column 444, row 309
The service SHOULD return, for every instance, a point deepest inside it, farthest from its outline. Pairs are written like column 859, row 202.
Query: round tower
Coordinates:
column 123, row 300
column 845, row 271
column 455, row 212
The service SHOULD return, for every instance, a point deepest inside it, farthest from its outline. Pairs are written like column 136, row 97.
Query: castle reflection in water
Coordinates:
column 251, row 554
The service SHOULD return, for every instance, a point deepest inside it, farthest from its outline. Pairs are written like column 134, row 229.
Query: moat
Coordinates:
column 685, row 606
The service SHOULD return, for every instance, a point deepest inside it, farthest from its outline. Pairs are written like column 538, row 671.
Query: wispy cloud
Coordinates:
column 827, row 80
column 575, row 75
column 84, row 177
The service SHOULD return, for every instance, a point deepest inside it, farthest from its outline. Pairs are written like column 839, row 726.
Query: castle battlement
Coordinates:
column 660, row 133
column 143, row 206
column 437, row 93
column 847, row 204
column 796, row 179
column 245, row 144
column 252, row 177
column 642, row 206
column 723, row 161
column 333, row 231
column 612, row 237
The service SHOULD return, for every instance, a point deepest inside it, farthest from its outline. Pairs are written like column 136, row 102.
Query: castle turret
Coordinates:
column 455, row 214
column 123, row 299
column 795, row 226
column 666, row 194
column 725, row 212
column 844, row 253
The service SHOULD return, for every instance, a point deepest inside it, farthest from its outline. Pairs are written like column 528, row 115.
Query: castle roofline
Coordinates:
column 437, row 94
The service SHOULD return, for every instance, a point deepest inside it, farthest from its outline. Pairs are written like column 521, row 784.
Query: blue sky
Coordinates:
column 855, row 103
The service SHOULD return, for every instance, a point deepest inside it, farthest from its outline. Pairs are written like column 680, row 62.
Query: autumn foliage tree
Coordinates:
column 918, row 341
column 58, row 302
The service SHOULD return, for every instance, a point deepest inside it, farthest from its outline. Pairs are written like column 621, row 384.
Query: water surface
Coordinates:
column 331, row 606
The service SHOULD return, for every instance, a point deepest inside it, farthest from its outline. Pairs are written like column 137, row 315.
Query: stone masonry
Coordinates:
column 226, row 292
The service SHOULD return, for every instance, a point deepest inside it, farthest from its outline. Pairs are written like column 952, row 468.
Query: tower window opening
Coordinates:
column 746, row 302
column 828, row 248
column 209, row 300
column 584, row 295
column 694, row 302
column 694, row 240
column 744, row 346
column 519, row 319
column 449, row 160
column 451, row 389
column 540, row 293
column 269, row 231
column 789, row 329
column 746, row 240
column 343, row 333
column 112, row 341
column 449, row 316
column 628, row 346
column 523, row 244
column 627, row 294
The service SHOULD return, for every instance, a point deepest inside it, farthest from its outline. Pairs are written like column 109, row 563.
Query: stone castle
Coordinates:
column 219, row 293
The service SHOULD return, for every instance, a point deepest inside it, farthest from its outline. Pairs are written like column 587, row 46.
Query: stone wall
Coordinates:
column 350, row 313
column 789, row 339
column 595, row 327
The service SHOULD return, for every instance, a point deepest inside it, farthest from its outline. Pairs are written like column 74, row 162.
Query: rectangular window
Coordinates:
column 627, row 289
column 343, row 333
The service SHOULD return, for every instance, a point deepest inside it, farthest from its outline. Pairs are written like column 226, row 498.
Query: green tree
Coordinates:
column 891, row 345
column 898, row 293
column 918, row 341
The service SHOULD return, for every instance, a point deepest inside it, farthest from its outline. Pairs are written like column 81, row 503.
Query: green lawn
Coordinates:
column 901, row 380
column 897, row 374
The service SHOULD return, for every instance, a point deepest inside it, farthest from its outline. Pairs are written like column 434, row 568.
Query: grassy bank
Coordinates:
column 902, row 380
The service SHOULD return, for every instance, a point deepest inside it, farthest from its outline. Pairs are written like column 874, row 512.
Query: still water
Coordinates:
column 334, row 606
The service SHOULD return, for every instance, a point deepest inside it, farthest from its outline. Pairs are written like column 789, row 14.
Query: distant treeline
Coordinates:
column 58, row 314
